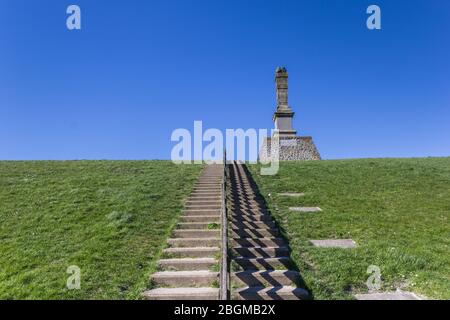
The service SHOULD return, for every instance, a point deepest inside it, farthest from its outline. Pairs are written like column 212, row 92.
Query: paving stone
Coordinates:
column 291, row 194
column 397, row 295
column 305, row 209
column 334, row 243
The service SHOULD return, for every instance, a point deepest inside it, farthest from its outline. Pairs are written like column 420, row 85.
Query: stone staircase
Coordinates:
column 189, row 268
column 261, row 268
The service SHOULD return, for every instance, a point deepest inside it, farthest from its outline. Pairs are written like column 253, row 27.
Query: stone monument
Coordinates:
column 284, row 143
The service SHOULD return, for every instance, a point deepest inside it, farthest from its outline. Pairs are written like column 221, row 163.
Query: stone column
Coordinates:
column 283, row 114
column 285, row 145
column 281, row 81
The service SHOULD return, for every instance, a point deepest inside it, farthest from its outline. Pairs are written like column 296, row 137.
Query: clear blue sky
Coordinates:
column 139, row 69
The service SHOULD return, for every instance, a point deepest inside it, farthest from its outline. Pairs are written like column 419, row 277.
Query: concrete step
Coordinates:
column 209, row 181
column 265, row 278
column 182, row 294
column 234, row 190
column 254, row 233
column 207, row 192
column 238, row 195
column 207, row 189
column 200, row 278
column 261, row 252
column 241, row 209
column 216, row 197
column 251, row 217
column 194, row 252
column 247, row 210
column 270, row 293
column 186, row 264
column 243, row 194
column 204, row 218
column 240, row 183
column 194, row 225
column 203, row 202
column 196, row 233
column 205, row 195
column 201, row 212
column 247, row 207
column 258, row 242
column 236, row 198
column 238, row 210
column 264, row 263
column 242, row 179
column 191, row 207
column 193, row 242
column 236, row 201
column 246, row 198
column 243, row 187
column 216, row 192
column 242, row 191
column 253, row 224
column 259, row 218
column 208, row 186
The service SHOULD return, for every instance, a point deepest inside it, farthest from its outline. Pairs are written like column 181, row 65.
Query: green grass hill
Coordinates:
column 109, row 218
column 397, row 211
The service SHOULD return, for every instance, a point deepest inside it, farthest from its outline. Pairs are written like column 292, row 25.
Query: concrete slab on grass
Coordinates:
column 291, row 194
column 334, row 243
column 305, row 209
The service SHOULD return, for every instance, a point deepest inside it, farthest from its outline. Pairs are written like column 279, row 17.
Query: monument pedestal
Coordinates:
column 285, row 145
column 288, row 148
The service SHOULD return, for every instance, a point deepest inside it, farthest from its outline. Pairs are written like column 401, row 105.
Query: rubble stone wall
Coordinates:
column 290, row 149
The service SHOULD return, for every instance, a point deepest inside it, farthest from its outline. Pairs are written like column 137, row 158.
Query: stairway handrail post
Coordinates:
column 224, row 272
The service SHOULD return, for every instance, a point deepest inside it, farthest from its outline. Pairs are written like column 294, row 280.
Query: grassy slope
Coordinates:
column 110, row 218
column 397, row 210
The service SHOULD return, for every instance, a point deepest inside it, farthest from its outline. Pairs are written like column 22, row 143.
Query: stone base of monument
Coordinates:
column 288, row 148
